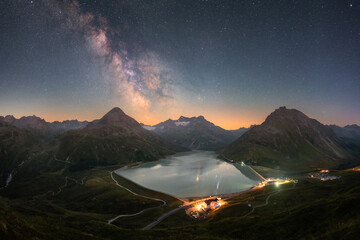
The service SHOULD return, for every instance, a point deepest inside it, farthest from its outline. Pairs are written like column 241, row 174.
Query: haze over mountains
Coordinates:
column 196, row 133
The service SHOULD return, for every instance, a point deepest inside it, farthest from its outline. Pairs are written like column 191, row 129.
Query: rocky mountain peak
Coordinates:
column 182, row 118
column 283, row 114
column 9, row 119
column 116, row 117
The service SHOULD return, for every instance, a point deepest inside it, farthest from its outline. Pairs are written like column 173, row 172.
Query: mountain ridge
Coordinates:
column 41, row 128
column 195, row 133
column 116, row 138
column 289, row 139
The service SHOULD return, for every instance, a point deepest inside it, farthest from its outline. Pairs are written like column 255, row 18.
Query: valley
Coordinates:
column 179, row 120
column 114, row 177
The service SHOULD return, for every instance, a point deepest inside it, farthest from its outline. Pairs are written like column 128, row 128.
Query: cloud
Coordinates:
column 144, row 82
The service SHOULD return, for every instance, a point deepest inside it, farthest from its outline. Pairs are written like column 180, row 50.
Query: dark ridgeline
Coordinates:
column 349, row 131
column 42, row 129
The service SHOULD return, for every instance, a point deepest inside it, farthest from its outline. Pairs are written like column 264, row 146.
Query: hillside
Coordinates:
column 15, row 148
column 290, row 140
column 114, row 139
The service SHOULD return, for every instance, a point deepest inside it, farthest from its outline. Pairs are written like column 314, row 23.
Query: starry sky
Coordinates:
column 233, row 62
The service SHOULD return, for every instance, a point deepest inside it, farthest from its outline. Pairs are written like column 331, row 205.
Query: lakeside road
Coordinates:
column 157, row 221
column 185, row 205
column 136, row 194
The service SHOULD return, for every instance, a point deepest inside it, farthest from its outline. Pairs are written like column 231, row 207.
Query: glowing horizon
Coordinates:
column 230, row 63
column 224, row 121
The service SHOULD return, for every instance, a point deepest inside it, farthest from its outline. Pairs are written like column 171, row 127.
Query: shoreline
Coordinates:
column 186, row 199
column 178, row 198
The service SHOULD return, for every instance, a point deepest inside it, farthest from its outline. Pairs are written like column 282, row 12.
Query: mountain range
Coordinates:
column 116, row 138
column 195, row 133
column 41, row 128
column 288, row 139
column 349, row 131
column 65, row 186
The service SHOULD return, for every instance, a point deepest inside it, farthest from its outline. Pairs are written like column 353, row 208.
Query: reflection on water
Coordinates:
column 193, row 174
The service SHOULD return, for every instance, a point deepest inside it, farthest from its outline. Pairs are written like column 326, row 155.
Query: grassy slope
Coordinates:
column 15, row 146
column 107, row 146
column 79, row 210
column 290, row 141
column 311, row 210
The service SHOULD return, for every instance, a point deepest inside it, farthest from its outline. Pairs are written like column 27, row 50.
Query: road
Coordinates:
column 185, row 205
column 267, row 200
column 136, row 194
column 153, row 224
column 258, row 174
column 261, row 205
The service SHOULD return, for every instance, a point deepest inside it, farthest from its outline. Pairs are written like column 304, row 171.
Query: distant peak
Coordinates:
column 182, row 118
column 116, row 117
column 290, row 114
column 281, row 109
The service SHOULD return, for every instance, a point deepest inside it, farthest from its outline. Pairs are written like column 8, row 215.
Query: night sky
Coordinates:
column 233, row 62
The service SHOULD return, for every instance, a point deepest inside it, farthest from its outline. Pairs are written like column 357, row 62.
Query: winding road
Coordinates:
column 136, row 194
column 267, row 200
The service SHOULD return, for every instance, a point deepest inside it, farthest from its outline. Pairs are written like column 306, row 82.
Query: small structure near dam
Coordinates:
column 202, row 209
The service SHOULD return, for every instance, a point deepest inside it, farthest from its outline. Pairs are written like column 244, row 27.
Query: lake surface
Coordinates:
column 192, row 174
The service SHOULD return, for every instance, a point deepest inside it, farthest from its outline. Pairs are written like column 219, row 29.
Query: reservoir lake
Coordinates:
column 192, row 174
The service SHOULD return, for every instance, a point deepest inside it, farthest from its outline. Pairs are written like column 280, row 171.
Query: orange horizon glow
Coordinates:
column 224, row 118
column 230, row 117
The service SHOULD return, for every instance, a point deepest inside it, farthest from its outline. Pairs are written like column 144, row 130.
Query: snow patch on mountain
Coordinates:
column 150, row 128
column 183, row 124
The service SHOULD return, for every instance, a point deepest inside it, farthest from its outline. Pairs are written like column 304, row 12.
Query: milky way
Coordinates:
column 231, row 61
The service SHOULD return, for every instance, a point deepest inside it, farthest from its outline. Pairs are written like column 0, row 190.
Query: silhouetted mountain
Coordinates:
column 195, row 133
column 239, row 132
column 117, row 118
column 288, row 139
column 349, row 131
column 114, row 139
